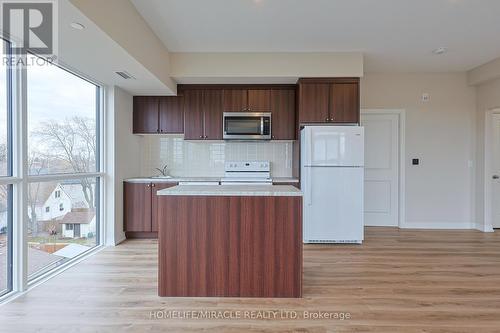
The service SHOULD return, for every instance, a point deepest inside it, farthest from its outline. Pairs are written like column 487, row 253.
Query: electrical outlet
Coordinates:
column 426, row 97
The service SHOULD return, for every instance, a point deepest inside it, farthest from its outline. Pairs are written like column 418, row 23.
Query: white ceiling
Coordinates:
column 95, row 55
column 395, row 35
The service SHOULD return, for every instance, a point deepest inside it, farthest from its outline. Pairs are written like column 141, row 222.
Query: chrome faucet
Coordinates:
column 163, row 171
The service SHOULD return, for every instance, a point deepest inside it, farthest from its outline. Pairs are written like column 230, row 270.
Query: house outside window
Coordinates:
column 61, row 207
column 47, row 209
column 57, row 194
column 69, row 227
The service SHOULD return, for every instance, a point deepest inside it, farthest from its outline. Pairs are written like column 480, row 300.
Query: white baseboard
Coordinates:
column 483, row 228
column 439, row 225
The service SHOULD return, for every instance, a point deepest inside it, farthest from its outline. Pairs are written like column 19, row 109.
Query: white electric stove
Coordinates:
column 243, row 173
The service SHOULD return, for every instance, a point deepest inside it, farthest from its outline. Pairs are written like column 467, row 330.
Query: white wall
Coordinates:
column 123, row 158
column 441, row 133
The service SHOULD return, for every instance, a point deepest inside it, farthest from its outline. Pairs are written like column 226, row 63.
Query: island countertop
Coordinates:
column 232, row 190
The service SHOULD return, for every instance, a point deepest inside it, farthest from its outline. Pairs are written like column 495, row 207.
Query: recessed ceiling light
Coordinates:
column 77, row 26
column 440, row 50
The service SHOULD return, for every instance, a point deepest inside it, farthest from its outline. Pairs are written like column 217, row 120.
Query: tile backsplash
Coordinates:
column 198, row 159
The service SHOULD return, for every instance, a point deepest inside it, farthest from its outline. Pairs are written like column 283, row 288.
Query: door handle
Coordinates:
column 496, row 177
column 309, row 187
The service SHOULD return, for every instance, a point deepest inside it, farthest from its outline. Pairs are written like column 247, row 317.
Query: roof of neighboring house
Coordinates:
column 75, row 192
column 42, row 191
column 78, row 216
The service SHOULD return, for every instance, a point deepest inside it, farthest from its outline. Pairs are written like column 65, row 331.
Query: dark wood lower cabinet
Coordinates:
column 230, row 246
column 137, row 207
column 140, row 203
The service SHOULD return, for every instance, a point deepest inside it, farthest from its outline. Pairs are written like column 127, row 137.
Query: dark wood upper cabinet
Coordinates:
column 193, row 115
column 283, row 114
column 197, row 111
column 212, row 103
column 171, row 114
column 137, row 207
column 333, row 100
column 235, row 100
column 145, row 115
column 344, row 102
column 203, row 114
column 259, row 100
column 313, row 102
column 153, row 114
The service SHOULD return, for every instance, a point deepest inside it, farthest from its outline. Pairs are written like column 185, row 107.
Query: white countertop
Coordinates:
column 233, row 190
column 175, row 179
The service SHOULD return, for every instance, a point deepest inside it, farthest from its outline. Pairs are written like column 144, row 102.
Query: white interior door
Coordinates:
column 381, row 169
column 495, row 205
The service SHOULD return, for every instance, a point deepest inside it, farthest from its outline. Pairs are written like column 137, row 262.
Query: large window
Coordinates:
column 4, row 114
column 5, row 238
column 5, row 175
column 63, row 166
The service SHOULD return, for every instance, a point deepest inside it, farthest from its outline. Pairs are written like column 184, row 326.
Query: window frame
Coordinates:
column 98, row 175
column 8, row 180
column 19, row 179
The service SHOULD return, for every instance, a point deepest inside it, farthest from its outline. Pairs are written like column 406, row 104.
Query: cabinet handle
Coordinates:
column 153, row 185
column 149, row 185
column 201, row 136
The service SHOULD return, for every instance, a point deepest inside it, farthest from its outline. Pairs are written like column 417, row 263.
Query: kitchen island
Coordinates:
column 230, row 241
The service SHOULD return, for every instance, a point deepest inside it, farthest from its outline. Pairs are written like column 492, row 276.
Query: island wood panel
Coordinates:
column 137, row 207
column 230, row 246
column 198, row 247
column 154, row 202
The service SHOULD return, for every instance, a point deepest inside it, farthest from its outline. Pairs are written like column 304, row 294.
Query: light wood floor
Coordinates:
column 398, row 281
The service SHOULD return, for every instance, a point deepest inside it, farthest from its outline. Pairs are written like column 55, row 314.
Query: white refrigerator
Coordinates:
column 332, row 179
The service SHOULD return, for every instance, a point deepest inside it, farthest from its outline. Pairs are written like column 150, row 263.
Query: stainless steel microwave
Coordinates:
column 247, row 126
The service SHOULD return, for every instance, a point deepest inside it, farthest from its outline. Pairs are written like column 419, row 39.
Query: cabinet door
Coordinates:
column 171, row 114
column 212, row 103
column 193, row 115
column 344, row 102
column 137, row 207
column 313, row 102
column 259, row 100
column 155, row 187
column 235, row 100
column 145, row 119
column 283, row 114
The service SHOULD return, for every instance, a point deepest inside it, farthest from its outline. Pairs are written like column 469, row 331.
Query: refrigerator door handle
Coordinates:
column 308, row 187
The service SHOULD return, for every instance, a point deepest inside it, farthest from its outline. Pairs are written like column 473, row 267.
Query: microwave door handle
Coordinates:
column 261, row 125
